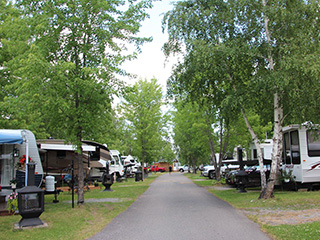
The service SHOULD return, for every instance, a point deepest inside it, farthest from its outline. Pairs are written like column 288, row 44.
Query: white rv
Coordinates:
column 302, row 154
column 131, row 161
column 18, row 147
column 116, row 165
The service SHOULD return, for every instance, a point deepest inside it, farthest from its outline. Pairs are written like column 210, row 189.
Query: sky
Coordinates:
column 151, row 62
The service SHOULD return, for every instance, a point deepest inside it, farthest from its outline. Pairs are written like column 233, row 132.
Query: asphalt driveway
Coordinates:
column 175, row 208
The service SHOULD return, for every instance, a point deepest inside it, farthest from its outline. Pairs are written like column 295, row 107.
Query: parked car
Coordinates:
column 253, row 178
column 184, row 168
column 155, row 168
column 209, row 171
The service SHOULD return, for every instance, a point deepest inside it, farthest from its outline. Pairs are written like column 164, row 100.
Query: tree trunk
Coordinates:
column 278, row 119
column 80, row 180
column 260, row 156
column 143, row 156
column 276, row 150
column 194, row 160
column 211, row 145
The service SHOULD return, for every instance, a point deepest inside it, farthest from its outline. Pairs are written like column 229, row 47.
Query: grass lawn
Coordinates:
column 284, row 202
column 79, row 222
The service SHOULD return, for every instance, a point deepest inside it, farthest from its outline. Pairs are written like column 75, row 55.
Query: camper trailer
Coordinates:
column 58, row 156
column 302, row 154
column 266, row 148
column 17, row 148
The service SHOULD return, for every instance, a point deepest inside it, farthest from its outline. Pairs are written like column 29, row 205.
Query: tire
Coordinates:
column 181, row 170
column 212, row 174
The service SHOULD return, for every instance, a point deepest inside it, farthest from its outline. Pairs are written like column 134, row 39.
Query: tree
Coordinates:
column 190, row 134
column 146, row 122
column 251, row 43
column 68, row 71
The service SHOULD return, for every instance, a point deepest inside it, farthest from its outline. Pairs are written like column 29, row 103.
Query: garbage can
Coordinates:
column 138, row 176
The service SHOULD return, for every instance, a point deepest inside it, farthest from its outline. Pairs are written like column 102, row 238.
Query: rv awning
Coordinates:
column 10, row 137
column 66, row 147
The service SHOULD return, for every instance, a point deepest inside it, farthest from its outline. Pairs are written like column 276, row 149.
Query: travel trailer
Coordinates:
column 266, row 148
column 17, row 148
column 302, row 155
column 57, row 157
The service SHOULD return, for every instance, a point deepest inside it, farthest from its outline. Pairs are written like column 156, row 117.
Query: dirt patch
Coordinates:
column 278, row 217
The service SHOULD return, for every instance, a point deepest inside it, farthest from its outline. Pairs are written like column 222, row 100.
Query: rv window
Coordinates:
column 287, row 158
column 255, row 155
column 61, row 153
column 295, row 149
column 116, row 158
column 95, row 155
column 313, row 140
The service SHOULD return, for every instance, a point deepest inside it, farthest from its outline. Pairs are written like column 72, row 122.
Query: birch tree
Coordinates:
column 251, row 43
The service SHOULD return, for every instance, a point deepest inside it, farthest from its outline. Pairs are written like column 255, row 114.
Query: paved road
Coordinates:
column 175, row 208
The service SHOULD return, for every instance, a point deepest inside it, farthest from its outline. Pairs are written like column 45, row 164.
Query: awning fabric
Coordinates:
column 10, row 137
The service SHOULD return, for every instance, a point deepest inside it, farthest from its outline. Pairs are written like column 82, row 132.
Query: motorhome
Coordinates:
column 116, row 166
column 17, row 148
column 135, row 165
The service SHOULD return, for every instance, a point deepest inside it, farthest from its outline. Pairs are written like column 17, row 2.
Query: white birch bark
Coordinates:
column 278, row 119
column 258, row 147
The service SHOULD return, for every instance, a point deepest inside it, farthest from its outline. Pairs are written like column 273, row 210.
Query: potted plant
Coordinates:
column 95, row 183
column 286, row 177
column 22, row 161
column 13, row 183
column 12, row 204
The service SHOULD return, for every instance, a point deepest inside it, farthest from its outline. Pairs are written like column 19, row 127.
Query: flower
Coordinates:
column 12, row 204
column 23, row 159
column 13, row 181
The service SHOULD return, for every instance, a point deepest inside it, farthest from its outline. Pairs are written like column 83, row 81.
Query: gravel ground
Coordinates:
column 278, row 217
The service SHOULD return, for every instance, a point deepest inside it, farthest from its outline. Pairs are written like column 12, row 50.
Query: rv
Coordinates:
column 302, row 154
column 58, row 156
column 116, row 164
column 17, row 148
column 133, row 163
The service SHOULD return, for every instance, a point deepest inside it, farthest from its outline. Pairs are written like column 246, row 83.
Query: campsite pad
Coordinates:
column 278, row 217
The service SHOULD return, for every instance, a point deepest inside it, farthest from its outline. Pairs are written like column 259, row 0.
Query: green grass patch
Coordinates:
column 283, row 200
column 204, row 181
column 307, row 231
column 81, row 222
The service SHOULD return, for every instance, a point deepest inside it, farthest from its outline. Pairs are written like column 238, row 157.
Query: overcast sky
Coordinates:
column 151, row 62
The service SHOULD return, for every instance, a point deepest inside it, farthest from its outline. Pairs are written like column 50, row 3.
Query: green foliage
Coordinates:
column 60, row 82
column 227, row 55
column 145, row 120
column 190, row 133
column 60, row 61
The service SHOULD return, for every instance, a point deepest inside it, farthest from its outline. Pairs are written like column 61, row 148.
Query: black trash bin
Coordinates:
column 138, row 176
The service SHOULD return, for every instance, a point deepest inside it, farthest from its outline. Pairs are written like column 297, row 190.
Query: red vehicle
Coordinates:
column 155, row 168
